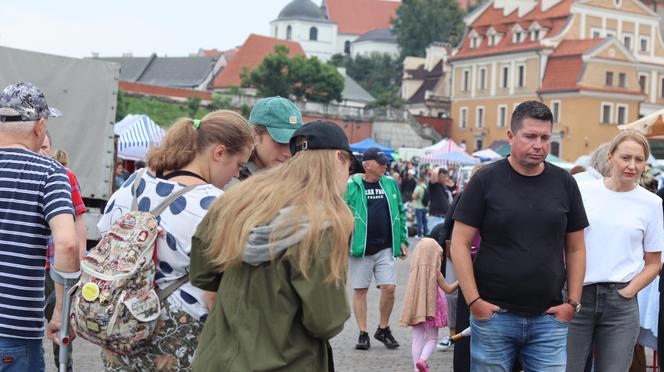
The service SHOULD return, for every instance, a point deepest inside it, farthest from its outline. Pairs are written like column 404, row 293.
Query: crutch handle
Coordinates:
column 68, row 280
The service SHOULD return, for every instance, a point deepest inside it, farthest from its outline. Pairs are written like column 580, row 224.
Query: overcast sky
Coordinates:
column 77, row 28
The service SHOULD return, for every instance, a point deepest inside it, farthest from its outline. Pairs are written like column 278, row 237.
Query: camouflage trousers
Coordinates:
column 171, row 348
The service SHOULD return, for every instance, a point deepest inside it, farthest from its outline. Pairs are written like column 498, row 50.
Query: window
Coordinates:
column 478, row 144
column 517, row 37
column 596, row 33
column 643, row 82
column 621, row 79
column 474, row 42
column 479, row 120
column 502, row 116
column 506, row 76
column 661, row 87
column 276, row 31
column 347, row 47
column 465, row 83
column 644, row 42
column 492, row 40
column 289, row 32
column 622, row 114
column 607, row 113
column 463, row 117
column 610, row 33
column 627, row 41
column 535, row 35
column 555, row 148
column 313, row 34
column 555, row 109
column 482, row 82
column 609, row 78
column 521, row 78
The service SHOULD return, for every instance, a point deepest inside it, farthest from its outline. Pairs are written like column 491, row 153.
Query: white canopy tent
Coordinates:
column 137, row 134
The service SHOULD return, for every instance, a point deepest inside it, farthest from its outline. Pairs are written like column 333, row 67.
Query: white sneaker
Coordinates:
column 444, row 344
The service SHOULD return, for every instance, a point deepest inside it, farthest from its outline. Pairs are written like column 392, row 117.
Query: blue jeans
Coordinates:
column 539, row 341
column 433, row 222
column 421, row 218
column 19, row 355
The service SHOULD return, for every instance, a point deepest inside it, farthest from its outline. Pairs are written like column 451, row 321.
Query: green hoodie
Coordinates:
column 268, row 316
column 357, row 201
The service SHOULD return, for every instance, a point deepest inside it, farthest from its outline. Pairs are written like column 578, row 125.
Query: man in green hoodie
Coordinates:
column 379, row 237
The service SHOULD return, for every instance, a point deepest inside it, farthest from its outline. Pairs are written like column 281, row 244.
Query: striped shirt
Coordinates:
column 33, row 189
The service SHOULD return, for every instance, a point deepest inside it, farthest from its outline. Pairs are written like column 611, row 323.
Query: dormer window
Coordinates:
column 517, row 37
column 492, row 40
column 517, row 34
column 475, row 42
column 535, row 35
column 493, row 37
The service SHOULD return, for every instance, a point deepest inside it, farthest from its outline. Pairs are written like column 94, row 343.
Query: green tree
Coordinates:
column 421, row 22
column 219, row 102
column 299, row 76
column 271, row 76
column 193, row 103
column 377, row 73
column 390, row 97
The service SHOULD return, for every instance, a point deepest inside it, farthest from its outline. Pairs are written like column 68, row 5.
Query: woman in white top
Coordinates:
column 206, row 153
column 623, row 254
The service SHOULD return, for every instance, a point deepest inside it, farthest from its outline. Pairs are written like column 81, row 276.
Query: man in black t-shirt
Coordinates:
column 439, row 197
column 531, row 218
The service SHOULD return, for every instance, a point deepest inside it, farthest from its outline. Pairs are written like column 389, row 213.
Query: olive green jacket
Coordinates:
column 270, row 317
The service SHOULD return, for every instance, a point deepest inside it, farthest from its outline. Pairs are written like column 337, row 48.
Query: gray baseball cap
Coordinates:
column 25, row 102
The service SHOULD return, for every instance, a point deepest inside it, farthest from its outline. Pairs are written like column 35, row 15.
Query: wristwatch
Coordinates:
column 574, row 304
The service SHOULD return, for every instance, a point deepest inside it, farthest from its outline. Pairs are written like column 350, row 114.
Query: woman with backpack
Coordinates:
column 281, row 240
column 203, row 155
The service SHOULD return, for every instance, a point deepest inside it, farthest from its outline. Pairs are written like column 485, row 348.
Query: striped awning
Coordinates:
column 138, row 137
column 434, row 152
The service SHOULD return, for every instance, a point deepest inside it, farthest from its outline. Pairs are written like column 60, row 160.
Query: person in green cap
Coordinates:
column 275, row 119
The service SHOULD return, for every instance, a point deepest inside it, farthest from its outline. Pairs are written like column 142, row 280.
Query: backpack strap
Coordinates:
column 159, row 209
column 164, row 293
column 134, row 188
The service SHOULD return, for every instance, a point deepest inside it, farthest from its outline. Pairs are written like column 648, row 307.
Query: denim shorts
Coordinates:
column 380, row 265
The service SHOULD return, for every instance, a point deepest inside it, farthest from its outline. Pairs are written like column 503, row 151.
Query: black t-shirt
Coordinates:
column 379, row 224
column 523, row 222
column 439, row 201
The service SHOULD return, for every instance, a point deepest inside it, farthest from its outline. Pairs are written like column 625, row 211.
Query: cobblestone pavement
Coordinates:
column 347, row 359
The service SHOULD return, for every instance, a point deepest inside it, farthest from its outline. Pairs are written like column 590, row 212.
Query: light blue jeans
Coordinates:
column 421, row 218
column 433, row 222
column 539, row 341
column 20, row 355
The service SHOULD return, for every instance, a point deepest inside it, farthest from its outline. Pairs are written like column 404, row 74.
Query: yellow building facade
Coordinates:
column 596, row 64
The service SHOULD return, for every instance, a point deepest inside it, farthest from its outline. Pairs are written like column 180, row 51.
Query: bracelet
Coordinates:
column 473, row 301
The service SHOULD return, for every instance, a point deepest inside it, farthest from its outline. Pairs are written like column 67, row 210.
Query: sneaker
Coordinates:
column 444, row 344
column 363, row 342
column 422, row 366
column 384, row 335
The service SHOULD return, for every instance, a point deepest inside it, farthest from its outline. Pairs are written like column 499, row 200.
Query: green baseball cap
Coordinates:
column 280, row 116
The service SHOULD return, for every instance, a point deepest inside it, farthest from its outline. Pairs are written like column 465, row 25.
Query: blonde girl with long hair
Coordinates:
column 205, row 154
column 281, row 240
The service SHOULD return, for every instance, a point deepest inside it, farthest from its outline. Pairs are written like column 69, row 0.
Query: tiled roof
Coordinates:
column 576, row 47
column 553, row 19
column 250, row 55
column 493, row 16
column 184, row 72
column 430, row 81
column 181, row 72
column 358, row 17
column 565, row 66
column 562, row 73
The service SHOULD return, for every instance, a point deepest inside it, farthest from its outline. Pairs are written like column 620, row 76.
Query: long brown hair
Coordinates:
column 308, row 183
column 183, row 141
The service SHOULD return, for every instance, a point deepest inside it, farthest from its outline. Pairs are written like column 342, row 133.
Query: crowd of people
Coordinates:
column 264, row 219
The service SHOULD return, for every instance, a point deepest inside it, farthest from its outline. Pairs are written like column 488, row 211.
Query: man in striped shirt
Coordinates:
column 35, row 202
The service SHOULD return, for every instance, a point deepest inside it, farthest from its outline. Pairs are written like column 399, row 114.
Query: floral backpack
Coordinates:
column 115, row 304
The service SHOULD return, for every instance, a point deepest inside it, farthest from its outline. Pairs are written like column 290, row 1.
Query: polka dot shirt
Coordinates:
column 179, row 222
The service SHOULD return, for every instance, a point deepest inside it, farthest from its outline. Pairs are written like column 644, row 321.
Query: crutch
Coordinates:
column 69, row 281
